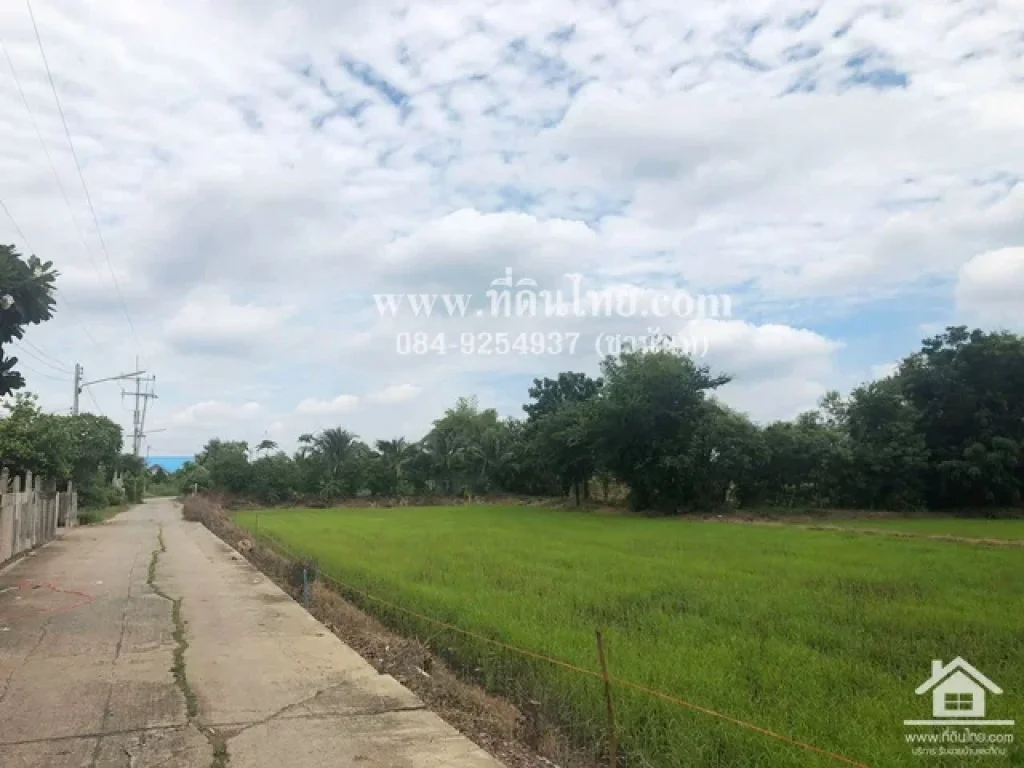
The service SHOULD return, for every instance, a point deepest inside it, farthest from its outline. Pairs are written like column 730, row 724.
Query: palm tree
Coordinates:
column 333, row 447
column 446, row 452
column 306, row 443
column 396, row 454
column 492, row 452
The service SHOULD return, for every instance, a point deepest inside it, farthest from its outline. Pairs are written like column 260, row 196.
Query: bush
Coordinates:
column 115, row 496
column 92, row 495
column 90, row 516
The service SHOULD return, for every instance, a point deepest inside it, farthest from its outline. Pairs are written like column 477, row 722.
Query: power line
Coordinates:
column 31, row 250
column 11, row 217
column 49, row 159
column 81, row 176
column 39, row 358
column 22, row 364
column 49, row 358
column 95, row 402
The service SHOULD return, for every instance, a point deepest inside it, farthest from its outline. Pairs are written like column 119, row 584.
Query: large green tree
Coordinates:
column 647, row 421
column 33, row 441
column 227, row 465
column 968, row 390
column 26, row 298
column 549, row 395
column 81, row 448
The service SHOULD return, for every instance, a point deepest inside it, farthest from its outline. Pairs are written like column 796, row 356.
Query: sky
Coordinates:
column 849, row 174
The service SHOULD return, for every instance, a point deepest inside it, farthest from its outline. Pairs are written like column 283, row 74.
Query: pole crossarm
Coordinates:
column 111, row 378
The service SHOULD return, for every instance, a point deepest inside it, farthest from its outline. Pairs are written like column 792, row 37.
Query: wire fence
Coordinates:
column 305, row 572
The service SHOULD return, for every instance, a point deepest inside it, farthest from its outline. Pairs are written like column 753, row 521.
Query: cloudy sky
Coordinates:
column 849, row 173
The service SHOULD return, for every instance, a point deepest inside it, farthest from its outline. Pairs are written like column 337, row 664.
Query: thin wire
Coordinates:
column 81, row 176
column 31, row 250
column 94, row 401
column 47, row 355
column 22, row 364
column 58, row 368
column 11, row 217
column 49, row 159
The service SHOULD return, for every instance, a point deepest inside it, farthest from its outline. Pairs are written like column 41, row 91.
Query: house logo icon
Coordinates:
column 958, row 695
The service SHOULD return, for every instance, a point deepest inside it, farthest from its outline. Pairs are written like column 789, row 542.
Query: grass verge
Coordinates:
column 95, row 516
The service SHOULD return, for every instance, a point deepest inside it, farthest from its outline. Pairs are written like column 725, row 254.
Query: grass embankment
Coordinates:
column 95, row 515
column 821, row 636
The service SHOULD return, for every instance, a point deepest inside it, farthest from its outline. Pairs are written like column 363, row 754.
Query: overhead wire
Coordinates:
column 23, row 364
column 60, row 299
column 40, row 358
column 49, row 159
column 95, row 402
column 81, row 176
column 50, row 358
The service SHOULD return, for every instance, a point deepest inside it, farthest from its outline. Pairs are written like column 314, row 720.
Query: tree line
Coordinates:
column 945, row 431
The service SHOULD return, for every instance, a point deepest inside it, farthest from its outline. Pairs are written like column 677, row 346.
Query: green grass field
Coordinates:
column 818, row 635
column 1004, row 530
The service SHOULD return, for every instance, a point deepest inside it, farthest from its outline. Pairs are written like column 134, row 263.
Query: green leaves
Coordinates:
column 26, row 298
column 57, row 447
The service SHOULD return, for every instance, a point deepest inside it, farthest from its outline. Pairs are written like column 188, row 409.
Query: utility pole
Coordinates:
column 81, row 385
column 78, row 388
column 145, row 403
column 139, row 414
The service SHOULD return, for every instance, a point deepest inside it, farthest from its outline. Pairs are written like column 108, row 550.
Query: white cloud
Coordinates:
column 818, row 166
column 214, row 413
column 990, row 288
column 209, row 322
column 400, row 393
column 884, row 370
column 339, row 405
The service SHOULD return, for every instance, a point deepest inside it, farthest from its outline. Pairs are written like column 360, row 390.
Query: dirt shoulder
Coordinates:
column 519, row 739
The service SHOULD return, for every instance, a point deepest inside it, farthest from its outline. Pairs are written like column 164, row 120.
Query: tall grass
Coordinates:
column 821, row 636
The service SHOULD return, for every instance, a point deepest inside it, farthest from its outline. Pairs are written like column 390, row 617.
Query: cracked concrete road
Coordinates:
column 148, row 642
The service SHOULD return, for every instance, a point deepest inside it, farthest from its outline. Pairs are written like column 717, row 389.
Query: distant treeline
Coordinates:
column 944, row 432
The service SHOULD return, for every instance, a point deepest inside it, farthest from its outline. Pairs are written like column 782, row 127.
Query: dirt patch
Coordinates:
column 914, row 535
column 811, row 524
column 520, row 739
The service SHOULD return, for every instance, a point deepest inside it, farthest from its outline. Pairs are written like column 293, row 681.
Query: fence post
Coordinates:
column 612, row 747
column 5, row 489
column 305, row 587
column 18, row 504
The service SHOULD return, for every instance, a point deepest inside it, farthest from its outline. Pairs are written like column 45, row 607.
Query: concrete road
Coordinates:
column 148, row 642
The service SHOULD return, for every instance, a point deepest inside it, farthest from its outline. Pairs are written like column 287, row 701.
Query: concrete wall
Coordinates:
column 31, row 512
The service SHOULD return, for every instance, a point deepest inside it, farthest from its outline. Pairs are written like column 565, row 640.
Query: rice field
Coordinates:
column 820, row 636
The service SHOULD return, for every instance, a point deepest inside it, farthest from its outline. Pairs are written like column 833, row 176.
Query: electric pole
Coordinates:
column 81, row 385
column 78, row 388
column 139, row 414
